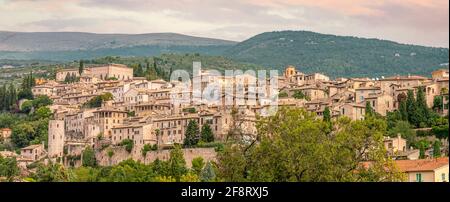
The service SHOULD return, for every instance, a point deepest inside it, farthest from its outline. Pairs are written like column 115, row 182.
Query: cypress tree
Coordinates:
column 12, row 95
column 411, row 107
column 422, row 108
column 327, row 114
column 81, row 67
column 369, row 110
column 2, row 96
column 207, row 134
column 437, row 149
column 403, row 110
column 192, row 134
column 67, row 78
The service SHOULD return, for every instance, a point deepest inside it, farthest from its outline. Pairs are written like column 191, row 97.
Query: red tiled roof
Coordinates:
column 421, row 164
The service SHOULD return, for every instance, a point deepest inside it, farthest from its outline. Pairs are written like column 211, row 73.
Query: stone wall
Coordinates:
column 120, row 154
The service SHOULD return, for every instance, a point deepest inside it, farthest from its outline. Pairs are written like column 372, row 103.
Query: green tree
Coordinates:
column 369, row 110
column 437, row 149
column 43, row 112
column 22, row 134
column 422, row 109
column 421, row 151
column 12, row 95
column 89, row 159
column 177, row 164
column 67, row 78
column 81, row 67
column 440, row 131
column 291, row 142
column 25, row 94
column 42, row 101
column 146, row 148
column 128, row 144
column 299, row 95
column 437, row 103
column 197, row 165
column 208, row 174
column 403, row 110
column 283, row 94
column 207, row 134
column 26, row 107
column 404, row 129
column 327, row 114
column 411, row 106
column 8, row 168
column 192, row 134
column 53, row 172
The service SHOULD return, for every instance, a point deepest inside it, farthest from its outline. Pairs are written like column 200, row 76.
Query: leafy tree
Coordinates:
column 197, row 165
column 421, row 151
column 208, row 174
column 98, row 100
column 299, row 95
column 130, row 171
column 89, row 159
column 282, row 94
column 26, row 107
column 207, row 134
column 25, row 94
column 189, row 177
column 437, row 103
column 86, row 174
column 177, row 164
column 404, row 129
column 128, row 144
column 43, row 112
column 441, row 131
column 22, row 134
column 192, row 134
column 42, row 101
column 8, row 168
column 291, row 142
column 146, row 148
column 53, row 172
column 369, row 110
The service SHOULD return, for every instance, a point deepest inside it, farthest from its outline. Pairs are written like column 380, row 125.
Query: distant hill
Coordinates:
column 78, row 45
column 308, row 51
column 338, row 55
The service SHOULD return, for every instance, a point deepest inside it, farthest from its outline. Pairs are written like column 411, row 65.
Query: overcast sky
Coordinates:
column 422, row 22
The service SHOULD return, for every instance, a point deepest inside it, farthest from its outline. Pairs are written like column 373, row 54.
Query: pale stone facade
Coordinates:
column 120, row 72
column 56, row 136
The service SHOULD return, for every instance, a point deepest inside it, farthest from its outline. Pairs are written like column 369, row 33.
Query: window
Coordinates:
column 418, row 177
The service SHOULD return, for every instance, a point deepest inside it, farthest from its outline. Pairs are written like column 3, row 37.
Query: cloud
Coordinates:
column 423, row 22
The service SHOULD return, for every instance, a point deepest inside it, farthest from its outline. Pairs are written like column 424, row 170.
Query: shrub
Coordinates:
column 128, row 144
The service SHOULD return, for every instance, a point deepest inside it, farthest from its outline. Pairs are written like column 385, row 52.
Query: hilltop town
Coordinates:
column 105, row 109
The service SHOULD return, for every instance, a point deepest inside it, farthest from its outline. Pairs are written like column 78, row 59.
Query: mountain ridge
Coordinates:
column 73, row 41
column 337, row 55
column 309, row 51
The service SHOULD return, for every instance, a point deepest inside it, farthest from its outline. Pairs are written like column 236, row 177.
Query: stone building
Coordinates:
column 118, row 71
column 56, row 137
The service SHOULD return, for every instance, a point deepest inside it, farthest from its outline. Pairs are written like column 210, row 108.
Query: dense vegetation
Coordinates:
column 29, row 124
column 308, row 51
column 337, row 55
